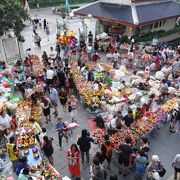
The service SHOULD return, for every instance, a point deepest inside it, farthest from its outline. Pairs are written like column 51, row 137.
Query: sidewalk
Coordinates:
column 170, row 37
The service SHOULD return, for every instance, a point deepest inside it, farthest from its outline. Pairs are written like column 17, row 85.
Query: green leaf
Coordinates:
column 12, row 16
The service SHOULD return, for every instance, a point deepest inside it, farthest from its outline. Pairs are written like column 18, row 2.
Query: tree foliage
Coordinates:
column 12, row 16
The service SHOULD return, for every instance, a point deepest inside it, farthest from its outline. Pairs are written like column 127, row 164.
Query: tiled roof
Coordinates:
column 108, row 11
column 156, row 11
column 123, row 13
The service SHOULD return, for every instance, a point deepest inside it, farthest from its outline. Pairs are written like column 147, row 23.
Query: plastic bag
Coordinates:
column 155, row 176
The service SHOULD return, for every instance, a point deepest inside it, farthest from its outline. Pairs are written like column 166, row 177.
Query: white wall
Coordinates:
column 91, row 26
column 76, row 24
column 169, row 25
column 2, row 55
column 125, row 2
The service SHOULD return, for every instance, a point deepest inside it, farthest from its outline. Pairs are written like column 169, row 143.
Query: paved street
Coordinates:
column 165, row 145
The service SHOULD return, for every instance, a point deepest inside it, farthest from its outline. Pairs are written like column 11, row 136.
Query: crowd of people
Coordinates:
column 59, row 85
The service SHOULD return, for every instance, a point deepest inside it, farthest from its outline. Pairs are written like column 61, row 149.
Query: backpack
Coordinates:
column 108, row 150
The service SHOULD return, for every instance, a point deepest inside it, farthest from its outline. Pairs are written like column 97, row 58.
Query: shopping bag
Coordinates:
column 162, row 173
column 155, row 176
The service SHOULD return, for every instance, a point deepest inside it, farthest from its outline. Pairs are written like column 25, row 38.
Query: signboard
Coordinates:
column 11, row 50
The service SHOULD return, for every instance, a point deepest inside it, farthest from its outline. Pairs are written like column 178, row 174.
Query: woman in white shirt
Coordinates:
column 116, row 124
column 5, row 121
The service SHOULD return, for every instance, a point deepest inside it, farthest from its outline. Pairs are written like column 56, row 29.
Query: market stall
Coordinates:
column 27, row 144
column 122, row 91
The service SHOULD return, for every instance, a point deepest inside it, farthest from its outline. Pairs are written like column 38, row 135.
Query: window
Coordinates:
column 151, row 25
column 160, row 23
column 156, row 25
column 164, row 22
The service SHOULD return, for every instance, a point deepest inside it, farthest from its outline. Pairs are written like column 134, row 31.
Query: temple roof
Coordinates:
column 108, row 11
column 134, row 14
column 157, row 11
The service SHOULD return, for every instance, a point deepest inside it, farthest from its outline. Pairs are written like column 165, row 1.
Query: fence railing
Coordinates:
column 51, row 3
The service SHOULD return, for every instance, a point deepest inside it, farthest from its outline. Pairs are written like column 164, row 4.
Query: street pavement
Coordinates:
column 165, row 145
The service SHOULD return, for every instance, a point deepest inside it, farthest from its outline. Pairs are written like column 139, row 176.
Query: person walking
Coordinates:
column 176, row 166
column 52, row 54
column 46, row 108
column 54, row 99
column 45, row 58
column 96, row 170
column 62, row 78
column 47, row 31
column 48, row 149
column 90, row 38
column 41, row 136
column 140, row 165
column 44, row 24
column 125, row 152
column 70, row 83
column 63, row 98
column 50, row 76
column 34, row 26
column 96, row 46
column 37, row 40
column 155, row 169
column 84, row 143
column 106, row 150
column 73, row 156
column 62, row 131
column 72, row 107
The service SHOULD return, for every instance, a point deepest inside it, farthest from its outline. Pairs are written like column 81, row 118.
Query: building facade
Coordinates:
column 133, row 17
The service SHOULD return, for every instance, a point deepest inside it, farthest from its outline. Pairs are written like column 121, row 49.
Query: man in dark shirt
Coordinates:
column 90, row 37
column 128, row 119
column 125, row 155
column 84, row 143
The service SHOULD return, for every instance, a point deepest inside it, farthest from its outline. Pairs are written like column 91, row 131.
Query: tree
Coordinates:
column 12, row 16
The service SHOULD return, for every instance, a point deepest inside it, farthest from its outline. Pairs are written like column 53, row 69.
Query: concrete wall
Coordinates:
column 169, row 25
column 125, row 2
column 76, row 25
column 2, row 55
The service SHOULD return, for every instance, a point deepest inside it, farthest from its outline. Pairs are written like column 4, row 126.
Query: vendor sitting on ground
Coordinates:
column 122, row 86
column 128, row 118
column 116, row 124
column 96, row 57
column 145, row 85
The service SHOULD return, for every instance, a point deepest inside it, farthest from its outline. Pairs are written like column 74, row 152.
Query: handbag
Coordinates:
column 163, row 172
